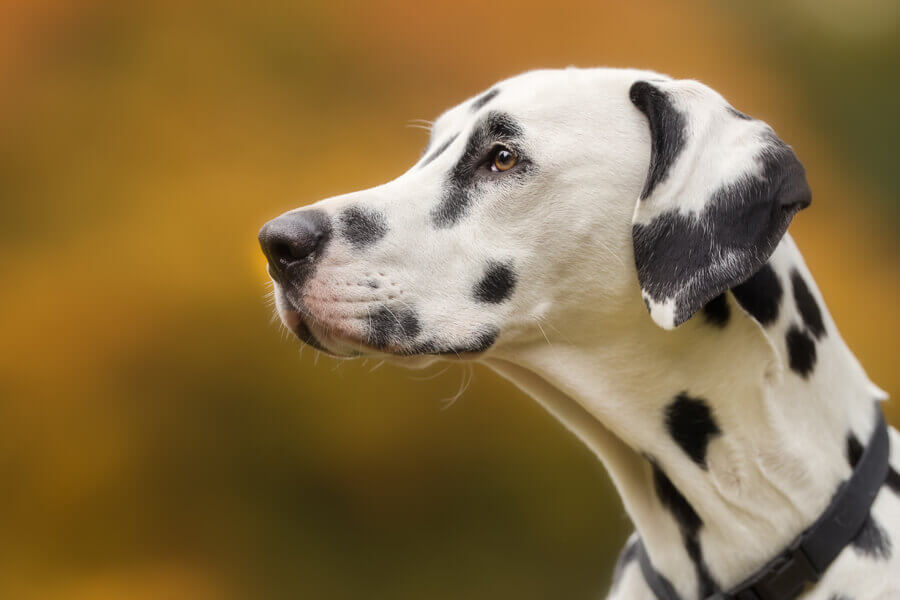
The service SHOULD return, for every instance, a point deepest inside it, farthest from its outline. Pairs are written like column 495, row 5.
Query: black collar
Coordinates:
column 807, row 558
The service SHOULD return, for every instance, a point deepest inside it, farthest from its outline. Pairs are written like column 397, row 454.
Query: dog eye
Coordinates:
column 504, row 159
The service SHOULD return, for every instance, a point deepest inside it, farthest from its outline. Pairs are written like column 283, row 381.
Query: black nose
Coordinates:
column 293, row 240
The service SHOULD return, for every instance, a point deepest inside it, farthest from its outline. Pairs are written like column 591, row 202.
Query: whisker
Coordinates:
column 432, row 376
column 464, row 385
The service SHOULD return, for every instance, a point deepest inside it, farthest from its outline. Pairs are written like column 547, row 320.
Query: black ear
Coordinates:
column 720, row 193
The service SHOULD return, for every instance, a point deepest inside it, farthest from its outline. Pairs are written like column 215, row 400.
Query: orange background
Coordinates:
column 159, row 438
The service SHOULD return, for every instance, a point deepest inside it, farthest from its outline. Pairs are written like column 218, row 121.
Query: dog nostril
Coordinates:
column 294, row 237
column 282, row 252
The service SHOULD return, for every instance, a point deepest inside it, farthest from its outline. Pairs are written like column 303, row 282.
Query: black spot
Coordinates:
column 760, row 295
column 717, row 311
column 671, row 498
column 305, row 335
column 392, row 326
column 854, row 450
column 738, row 113
column 691, row 424
column 691, row 258
column 667, row 131
column 807, row 305
column 483, row 99
column 801, row 351
column 839, row 597
column 464, row 178
column 362, row 227
column 496, row 285
column 480, row 342
column 893, row 480
column 440, row 150
column 872, row 540
column 689, row 523
column 628, row 555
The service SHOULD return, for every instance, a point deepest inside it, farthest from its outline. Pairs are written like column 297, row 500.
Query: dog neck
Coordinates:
column 725, row 438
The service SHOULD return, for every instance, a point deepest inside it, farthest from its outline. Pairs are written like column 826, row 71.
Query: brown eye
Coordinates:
column 504, row 160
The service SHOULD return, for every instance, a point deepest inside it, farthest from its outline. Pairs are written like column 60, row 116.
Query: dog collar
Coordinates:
column 809, row 556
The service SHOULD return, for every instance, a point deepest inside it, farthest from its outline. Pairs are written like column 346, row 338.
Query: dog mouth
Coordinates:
column 377, row 331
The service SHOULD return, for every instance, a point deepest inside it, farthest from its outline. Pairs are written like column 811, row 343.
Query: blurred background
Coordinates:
column 160, row 438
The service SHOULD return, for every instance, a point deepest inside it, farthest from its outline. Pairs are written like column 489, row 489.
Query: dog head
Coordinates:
column 553, row 193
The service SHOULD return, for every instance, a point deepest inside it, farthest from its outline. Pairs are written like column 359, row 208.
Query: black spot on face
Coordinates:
column 496, row 285
column 689, row 523
column 362, row 227
column 760, row 295
column 305, row 335
column 807, row 305
column 801, row 351
column 717, row 311
column 691, row 424
column 483, row 99
column 397, row 325
column 480, row 342
column 873, row 541
column 440, row 150
column 464, row 179
column 667, row 131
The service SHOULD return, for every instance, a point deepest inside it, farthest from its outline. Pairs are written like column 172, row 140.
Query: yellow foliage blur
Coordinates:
column 159, row 438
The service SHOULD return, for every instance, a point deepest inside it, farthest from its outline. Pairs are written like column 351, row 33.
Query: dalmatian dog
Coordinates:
column 614, row 243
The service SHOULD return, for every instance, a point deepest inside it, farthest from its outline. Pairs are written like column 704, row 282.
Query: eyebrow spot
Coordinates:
column 440, row 150
column 459, row 188
column 483, row 99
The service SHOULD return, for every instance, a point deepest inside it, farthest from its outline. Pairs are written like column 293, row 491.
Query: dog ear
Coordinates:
column 719, row 195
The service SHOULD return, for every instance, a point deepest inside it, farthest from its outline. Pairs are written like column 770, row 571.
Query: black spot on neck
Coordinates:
column 440, row 150
column 760, row 295
column 689, row 523
column 801, row 351
column 717, row 312
column 807, row 305
column 667, row 131
column 873, row 541
column 463, row 180
column 691, row 424
column 854, row 450
column 893, row 480
column 483, row 99
column 496, row 285
column 362, row 227
column 628, row 556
